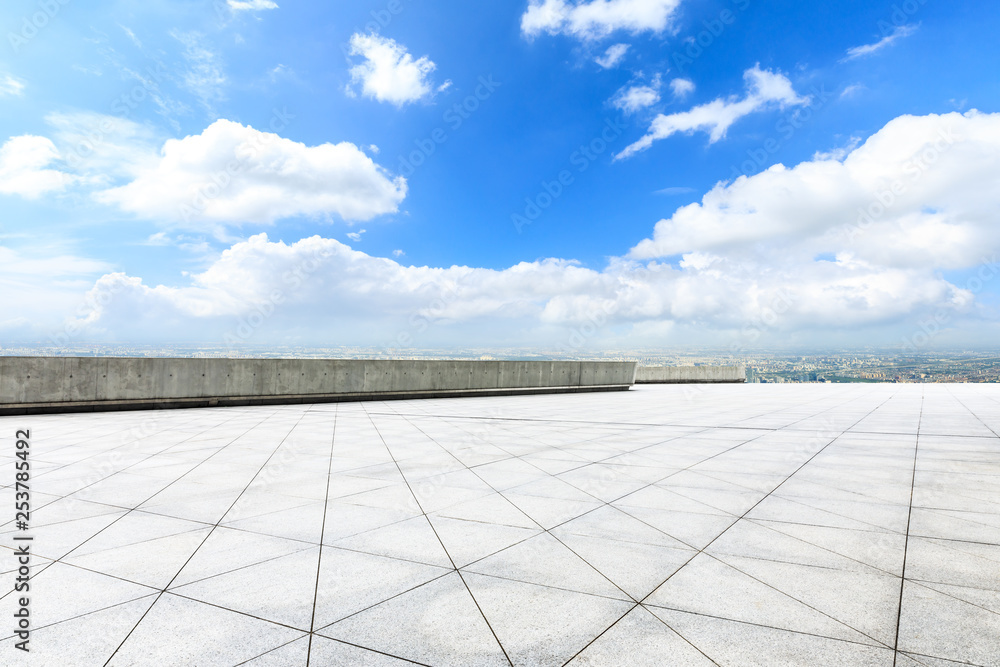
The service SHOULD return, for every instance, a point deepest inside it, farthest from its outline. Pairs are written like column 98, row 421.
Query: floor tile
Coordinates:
column 538, row 625
column 438, row 624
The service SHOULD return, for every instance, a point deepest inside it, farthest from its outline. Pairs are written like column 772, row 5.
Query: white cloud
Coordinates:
column 25, row 163
column 85, row 148
column 131, row 35
column 677, row 190
column 251, row 5
column 594, row 19
column 613, row 56
column 10, row 85
column 765, row 89
column 204, row 76
column 158, row 239
column 635, row 98
column 356, row 236
column 101, row 148
column 898, row 33
column 838, row 153
column 915, row 200
column 920, row 195
column 389, row 73
column 852, row 90
column 681, row 88
column 231, row 174
column 41, row 289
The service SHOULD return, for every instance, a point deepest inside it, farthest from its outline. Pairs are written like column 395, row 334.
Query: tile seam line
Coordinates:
column 930, row 586
column 937, row 657
column 88, row 613
column 319, row 631
column 440, row 541
column 322, row 534
column 129, row 511
column 878, row 645
column 602, row 502
column 181, row 569
column 72, row 493
column 276, row 648
column 512, row 504
column 635, row 606
column 811, row 458
column 960, row 402
column 606, row 503
column 909, row 517
column 372, row 650
column 630, row 493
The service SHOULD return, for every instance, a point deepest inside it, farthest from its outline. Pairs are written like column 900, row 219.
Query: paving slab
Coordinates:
column 750, row 525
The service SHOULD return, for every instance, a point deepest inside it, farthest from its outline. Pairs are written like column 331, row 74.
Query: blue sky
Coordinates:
column 583, row 173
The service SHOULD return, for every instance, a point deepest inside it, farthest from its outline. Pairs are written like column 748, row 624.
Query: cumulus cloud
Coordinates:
column 921, row 194
column 635, row 98
column 764, row 89
column 594, row 19
column 389, row 73
column 233, row 173
column 614, row 55
column 681, row 88
column 898, row 33
column 26, row 167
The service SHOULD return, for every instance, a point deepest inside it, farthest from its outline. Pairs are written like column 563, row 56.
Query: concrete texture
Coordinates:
column 689, row 374
column 38, row 384
column 668, row 525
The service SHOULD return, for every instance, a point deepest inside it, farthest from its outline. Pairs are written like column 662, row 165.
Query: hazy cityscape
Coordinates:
column 870, row 365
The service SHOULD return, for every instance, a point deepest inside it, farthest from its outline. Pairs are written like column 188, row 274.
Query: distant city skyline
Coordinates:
column 572, row 175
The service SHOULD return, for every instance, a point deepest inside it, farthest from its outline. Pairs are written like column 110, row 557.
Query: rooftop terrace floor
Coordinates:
column 668, row 525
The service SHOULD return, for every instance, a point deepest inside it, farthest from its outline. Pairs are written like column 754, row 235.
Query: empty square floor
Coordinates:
column 668, row 525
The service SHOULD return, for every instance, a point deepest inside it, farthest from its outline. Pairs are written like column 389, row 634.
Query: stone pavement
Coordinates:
column 668, row 525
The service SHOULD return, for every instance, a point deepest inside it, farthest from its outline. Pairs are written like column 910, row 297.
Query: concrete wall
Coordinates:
column 689, row 374
column 35, row 384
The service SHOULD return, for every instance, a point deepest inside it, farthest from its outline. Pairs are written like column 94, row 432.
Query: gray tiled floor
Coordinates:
column 669, row 525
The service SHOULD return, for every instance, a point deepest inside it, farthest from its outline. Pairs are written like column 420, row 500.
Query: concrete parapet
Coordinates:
column 31, row 385
column 689, row 374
